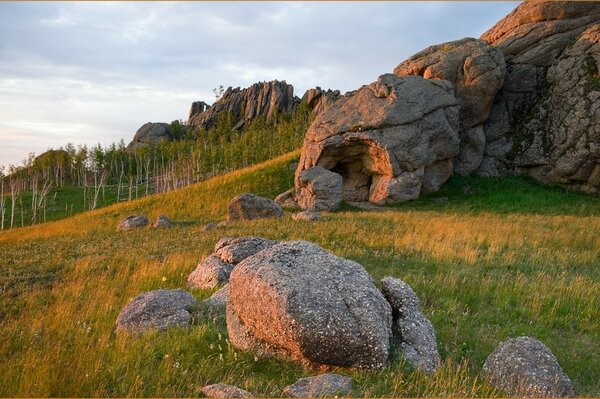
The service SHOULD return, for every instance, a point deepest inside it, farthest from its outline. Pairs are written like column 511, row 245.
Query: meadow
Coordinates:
column 489, row 258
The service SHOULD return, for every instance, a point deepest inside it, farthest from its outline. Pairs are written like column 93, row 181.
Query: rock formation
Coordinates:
column 150, row 134
column 390, row 140
column 318, row 100
column 156, row 310
column 540, row 118
column 477, row 71
column 261, row 99
column 525, row 367
column 296, row 299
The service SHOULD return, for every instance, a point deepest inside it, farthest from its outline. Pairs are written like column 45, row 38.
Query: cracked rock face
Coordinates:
column 390, row 140
column 525, row 367
column 413, row 332
column 156, row 310
column 298, row 300
column 477, row 72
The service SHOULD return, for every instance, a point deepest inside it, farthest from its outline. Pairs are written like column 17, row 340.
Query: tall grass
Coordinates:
column 484, row 269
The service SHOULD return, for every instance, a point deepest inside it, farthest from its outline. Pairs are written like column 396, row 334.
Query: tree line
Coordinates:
column 122, row 174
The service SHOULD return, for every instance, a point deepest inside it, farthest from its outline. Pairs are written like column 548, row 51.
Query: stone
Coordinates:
column 219, row 298
column 156, row 310
column 287, row 200
column 318, row 100
column 132, row 222
column 320, row 386
column 525, row 367
column 150, row 133
column 250, row 206
column 263, row 99
column 413, row 332
column 210, row 273
column 224, row 391
column 307, row 216
column 236, row 250
column 162, row 222
column 390, row 140
column 295, row 299
column 319, row 189
column 209, row 227
column 477, row 71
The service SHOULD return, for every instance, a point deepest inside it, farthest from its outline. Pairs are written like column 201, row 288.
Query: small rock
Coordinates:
column 162, row 221
column 286, row 199
column 413, row 332
column 224, row 391
column 210, row 273
column 156, row 310
column 308, row 216
column 209, row 227
column 219, row 298
column 250, row 206
column 319, row 386
column 132, row 222
column 524, row 366
column 236, row 250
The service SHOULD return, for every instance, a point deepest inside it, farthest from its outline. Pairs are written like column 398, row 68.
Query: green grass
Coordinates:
column 499, row 258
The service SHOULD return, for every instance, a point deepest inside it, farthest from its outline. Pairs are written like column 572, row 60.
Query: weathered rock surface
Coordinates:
column 132, row 222
column 250, row 206
column 319, row 189
column 413, row 332
column 318, row 100
column 219, row 298
column 299, row 300
column 238, row 249
column 261, row 99
column 307, row 216
column 324, row 385
column 534, row 38
column 210, row 273
column 224, row 391
column 156, row 310
column 287, row 199
column 162, row 222
column 150, row 134
column 477, row 71
column 390, row 140
column 525, row 367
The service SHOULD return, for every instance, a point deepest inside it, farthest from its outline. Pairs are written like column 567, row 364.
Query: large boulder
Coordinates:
column 250, row 206
column 298, row 300
column 525, row 367
column 319, row 386
column 413, row 332
column 156, row 310
column 390, row 140
column 263, row 99
column 533, row 38
column 319, row 189
column 477, row 71
column 150, row 133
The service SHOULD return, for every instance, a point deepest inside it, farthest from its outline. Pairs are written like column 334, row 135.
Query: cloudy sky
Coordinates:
column 93, row 72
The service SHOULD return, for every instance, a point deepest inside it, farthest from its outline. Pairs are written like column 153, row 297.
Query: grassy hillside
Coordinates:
column 490, row 260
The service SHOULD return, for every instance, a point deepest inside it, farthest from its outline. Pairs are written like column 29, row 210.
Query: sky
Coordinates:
column 94, row 72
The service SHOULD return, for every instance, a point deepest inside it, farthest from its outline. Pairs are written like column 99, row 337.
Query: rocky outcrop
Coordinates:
column 477, row 72
column 535, row 38
column 525, row 367
column 250, row 206
column 320, row 386
column 156, row 310
column 132, row 222
column 319, row 189
column 244, row 105
column 224, row 391
column 298, row 300
column 390, row 140
column 318, row 100
column 150, row 134
column 413, row 332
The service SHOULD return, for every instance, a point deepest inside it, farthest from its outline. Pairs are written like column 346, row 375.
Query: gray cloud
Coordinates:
column 88, row 72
